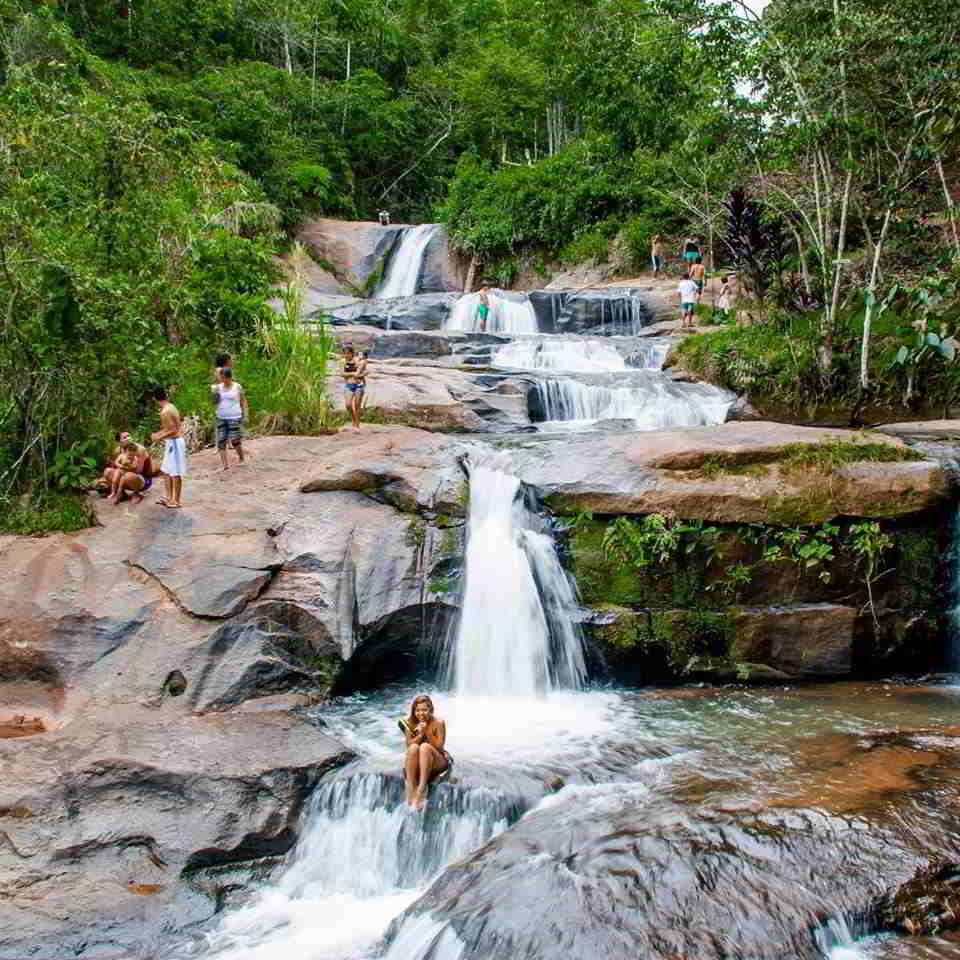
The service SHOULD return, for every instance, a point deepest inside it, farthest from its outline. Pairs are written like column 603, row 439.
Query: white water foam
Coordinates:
column 403, row 270
column 651, row 400
column 552, row 353
column 509, row 313
column 363, row 859
column 502, row 645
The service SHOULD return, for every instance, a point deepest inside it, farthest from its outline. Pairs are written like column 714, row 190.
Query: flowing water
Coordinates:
column 515, row 589
column 404, row 267
column 599, row 383
column 509, row 313
column 648, row 399
column 585, row 821
column 592, row 775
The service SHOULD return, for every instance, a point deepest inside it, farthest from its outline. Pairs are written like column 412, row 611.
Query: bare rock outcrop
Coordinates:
column 734, row 472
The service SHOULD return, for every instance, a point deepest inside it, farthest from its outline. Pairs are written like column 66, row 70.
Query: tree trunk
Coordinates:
column 871, row 299
column 471, row 273
column 343, row 120
column 951, row 208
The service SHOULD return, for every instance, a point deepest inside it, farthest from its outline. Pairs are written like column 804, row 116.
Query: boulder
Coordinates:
column 354, row 248
column 394, row 344
column 948, row 430
column 699, row 865
column 100, row 820
column 424, row 311
column 725, row 473
column 809, row 640
column 440, row 398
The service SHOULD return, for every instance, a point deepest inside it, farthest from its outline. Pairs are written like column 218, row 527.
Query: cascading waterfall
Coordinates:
column 651, row 401
column 567, row 355
column 404, row 267
column 515, row 588
column 509, row 313
column 362, row 859
column 580, row 355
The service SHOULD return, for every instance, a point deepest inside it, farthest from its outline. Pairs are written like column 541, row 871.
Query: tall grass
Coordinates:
column 283, row 367
column 286, row 375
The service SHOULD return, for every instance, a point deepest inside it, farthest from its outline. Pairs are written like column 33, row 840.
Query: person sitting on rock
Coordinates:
column 105, row 483
column 427, row 759
column 132, row 473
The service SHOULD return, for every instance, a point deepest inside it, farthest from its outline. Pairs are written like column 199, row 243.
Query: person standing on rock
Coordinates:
column 687, row 289
column 354, row 382
column 174, row 466
column 483, row 308
column 230, row 404
column 656, row 253
column 697, row 274
column 691, row 251
column 384, row 217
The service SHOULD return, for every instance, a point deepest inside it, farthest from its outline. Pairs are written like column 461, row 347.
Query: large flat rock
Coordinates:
column 922, row 430
column 725, row 473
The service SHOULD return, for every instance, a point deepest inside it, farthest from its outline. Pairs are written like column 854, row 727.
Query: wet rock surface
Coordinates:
column 701, row 869
column 99, row 820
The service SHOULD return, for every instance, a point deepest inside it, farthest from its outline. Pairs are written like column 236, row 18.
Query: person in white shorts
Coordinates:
column 689, row 292
column 174, row 466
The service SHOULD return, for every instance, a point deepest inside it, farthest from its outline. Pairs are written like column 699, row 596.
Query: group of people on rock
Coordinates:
column 690, row 288
column 130, row 471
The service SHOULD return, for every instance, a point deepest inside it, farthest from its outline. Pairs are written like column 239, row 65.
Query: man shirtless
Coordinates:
column 697, row 274
column 174, row 466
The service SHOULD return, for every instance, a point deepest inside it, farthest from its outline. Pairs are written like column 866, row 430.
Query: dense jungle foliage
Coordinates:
column 155, row 156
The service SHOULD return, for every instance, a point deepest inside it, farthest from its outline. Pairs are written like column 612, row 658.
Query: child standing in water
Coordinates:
column 483, row 309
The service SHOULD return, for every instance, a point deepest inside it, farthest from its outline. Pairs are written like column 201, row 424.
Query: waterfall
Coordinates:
column 516, row 634
column 404, row 266
column 576, row 355
column 650, row 400
column 362, row 859
column 509, row 313
column 572, row 356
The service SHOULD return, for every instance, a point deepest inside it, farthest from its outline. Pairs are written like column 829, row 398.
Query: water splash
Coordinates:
column 363, row 859
column 509, row 313
column 515, row 589
column 404, row 268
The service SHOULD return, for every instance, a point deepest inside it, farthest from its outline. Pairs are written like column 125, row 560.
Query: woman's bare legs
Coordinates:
column 430, row 760
column 412, row 772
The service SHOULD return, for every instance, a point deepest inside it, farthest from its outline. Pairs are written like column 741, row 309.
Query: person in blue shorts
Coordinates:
column 691, row 250
column 354, row 382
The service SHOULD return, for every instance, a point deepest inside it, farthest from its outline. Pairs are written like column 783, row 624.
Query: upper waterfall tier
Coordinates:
column 405, row 265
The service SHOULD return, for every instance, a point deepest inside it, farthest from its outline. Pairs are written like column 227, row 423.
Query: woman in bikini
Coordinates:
column 426, row 758
column 132, row 472
column 354, row 381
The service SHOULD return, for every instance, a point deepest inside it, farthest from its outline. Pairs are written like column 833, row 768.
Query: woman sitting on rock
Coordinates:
column 426, row 758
